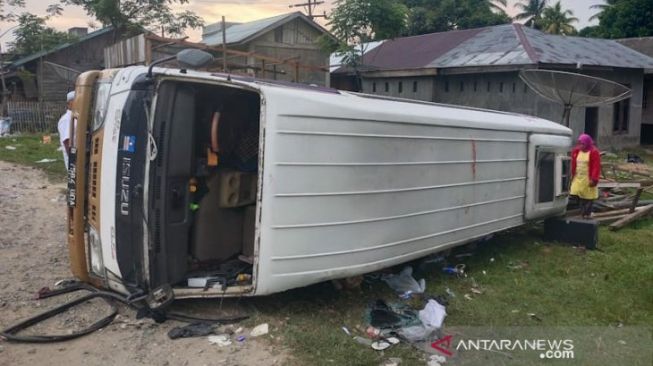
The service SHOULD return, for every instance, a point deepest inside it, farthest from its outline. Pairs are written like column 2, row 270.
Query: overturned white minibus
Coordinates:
column 209, row 185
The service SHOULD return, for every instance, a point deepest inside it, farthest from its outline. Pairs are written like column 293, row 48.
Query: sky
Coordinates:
column 241, row 11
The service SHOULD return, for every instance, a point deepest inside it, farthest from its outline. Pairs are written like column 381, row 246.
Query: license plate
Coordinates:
column 72, row 177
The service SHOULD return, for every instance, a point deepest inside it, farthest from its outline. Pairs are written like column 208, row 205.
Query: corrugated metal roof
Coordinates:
column 501, row 45
column 553, row 49
column 415, row 52
column 32, row 57
column 498, row 45
column 243, row 32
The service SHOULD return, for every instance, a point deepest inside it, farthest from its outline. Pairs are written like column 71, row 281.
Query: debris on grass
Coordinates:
column 404, row 283
column 43, row 161
column 436, row 360
column 221, row 340
column 259, row 330
column 9, row 147
column 534, row 317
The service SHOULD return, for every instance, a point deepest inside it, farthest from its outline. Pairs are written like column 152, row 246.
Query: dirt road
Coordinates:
column 33, row 255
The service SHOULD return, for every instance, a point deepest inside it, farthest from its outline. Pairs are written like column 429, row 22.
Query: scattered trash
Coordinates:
column 46, row 139
column 433, row 314
column 221, row 340
column 517, row 265
column 382, row 316
column 191, row 330
column 476, row 290
column 46, row 161
column 492, row 260
column 449, row 292
column 5, row 126
column 404, row 283
column 239, row 330
column 634, row 158
column 380, row 345
column 436, row 360
column 534, row 317
column 392, row 361
column 468, row 297
column 515, row 311
column 241, row 339
column 363, row 341
column 260, row 330
column 416, row 333
column 372, row 332
column 458, row 270
column 346, row 330
column 9, row 147
column 484, row 273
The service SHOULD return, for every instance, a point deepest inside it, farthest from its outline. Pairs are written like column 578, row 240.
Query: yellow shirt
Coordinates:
column 580, row 185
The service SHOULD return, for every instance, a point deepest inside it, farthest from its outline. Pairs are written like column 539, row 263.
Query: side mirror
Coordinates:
column 194, row 58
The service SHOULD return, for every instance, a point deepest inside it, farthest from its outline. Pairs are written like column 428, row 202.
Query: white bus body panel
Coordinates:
column 354, row 184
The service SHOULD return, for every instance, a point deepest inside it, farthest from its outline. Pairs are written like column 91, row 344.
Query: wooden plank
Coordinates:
column 636, row 199
column 631, row 217
column 619, row 185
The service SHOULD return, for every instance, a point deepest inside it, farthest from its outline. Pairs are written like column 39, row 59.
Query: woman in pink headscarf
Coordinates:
column 585, row 173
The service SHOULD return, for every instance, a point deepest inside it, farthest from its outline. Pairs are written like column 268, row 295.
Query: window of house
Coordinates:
column 462, row 86
column 278, row 35
column 414, row 86
column 620, row 116
column 446, row 86
column 644, row 97
column 401, row 87
column 387, row 87
column 374, row 87
column 501, row 87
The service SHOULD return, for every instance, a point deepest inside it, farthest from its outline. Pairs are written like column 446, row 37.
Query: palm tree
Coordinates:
column 602, row 7
column 531, row 10
column 556, row 21
column 498, row 6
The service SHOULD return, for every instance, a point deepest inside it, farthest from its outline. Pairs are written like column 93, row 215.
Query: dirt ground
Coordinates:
column 33, row 255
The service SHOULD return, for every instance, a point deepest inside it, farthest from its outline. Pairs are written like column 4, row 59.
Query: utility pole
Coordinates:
column 309, row 6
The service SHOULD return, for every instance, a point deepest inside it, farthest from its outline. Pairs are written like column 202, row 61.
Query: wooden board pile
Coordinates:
column 621, row 189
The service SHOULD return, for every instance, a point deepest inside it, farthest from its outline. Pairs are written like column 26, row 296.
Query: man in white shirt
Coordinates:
column 64, row 127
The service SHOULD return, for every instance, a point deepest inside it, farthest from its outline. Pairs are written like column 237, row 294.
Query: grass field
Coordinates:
column 560, row 284
column 518, row 272
column 29, row 150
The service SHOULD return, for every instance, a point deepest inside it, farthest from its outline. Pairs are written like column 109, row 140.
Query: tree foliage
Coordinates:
column 557, row 21
column 32, row 35
column 429, row 16
column 623, row 19
column 154, row 15
column 355, row 22
column 531, row 11
column 9, row 16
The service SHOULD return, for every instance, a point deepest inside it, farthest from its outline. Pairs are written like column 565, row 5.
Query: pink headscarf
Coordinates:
column 586, row 142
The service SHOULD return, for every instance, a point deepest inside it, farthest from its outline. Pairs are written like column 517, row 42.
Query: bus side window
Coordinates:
column 545, row 170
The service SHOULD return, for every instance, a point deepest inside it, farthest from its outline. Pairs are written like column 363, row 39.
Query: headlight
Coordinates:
column 95, row 249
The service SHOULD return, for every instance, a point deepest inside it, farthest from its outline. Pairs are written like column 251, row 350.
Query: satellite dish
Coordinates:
column 574, row 90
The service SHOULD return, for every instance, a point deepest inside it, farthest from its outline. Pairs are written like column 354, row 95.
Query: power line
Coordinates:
column 309, row 6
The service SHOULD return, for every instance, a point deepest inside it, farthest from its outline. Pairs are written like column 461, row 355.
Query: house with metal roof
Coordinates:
column 480, row 68
column 644, row 45
column 292, row 36
column 48, row 75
